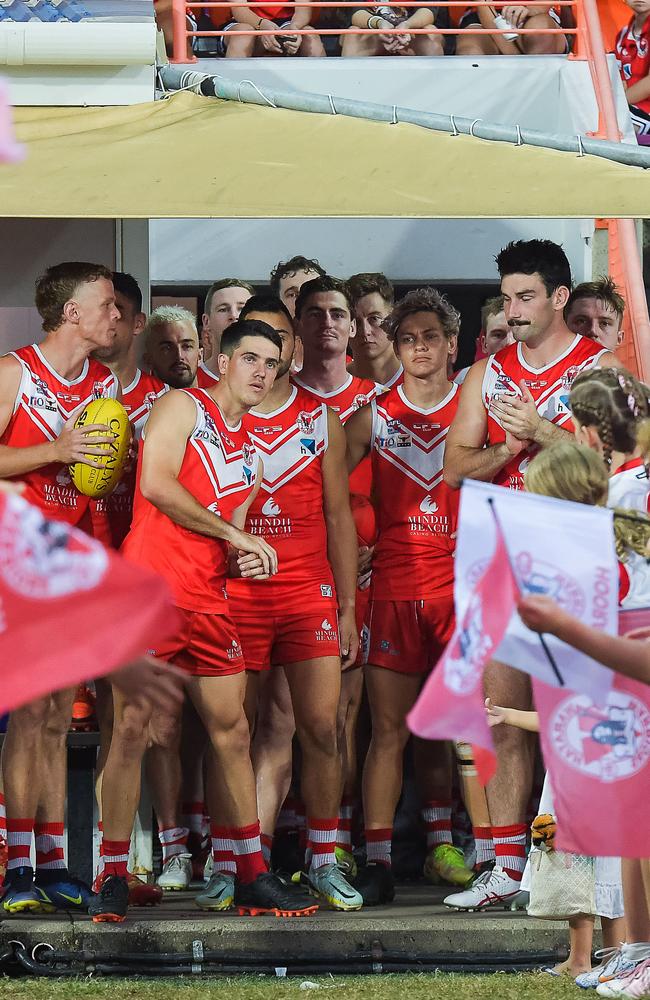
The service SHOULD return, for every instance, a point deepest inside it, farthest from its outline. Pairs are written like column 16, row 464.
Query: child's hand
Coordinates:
column 495, row 714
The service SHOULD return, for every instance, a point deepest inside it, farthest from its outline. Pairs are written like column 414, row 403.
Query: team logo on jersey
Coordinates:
column 214, row 507
column 325, row 590
column 462, row 666
column 306, row 422
column 428, row 505
column 46, row 559
column 99, row 390
column 249, row 454
column 149, row 399
column 536, row 576
column 326, row 632
column 307, row 446
column 270, row 508
column 360, row 401
column 610, row 742
column 569, row 376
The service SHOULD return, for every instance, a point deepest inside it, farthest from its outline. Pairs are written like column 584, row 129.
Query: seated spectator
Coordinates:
column 595, row 309
column 220, row 19
column 382, row 41
column 633, row 58
column 511, row 16
column 283, row 43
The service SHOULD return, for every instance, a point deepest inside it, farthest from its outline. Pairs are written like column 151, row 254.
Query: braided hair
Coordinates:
column 613, row 402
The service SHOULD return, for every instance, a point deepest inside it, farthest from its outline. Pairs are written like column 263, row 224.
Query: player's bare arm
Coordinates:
column 358, row 434
column 71, row 446
column 250, row 565
column 341, row 534
column 169, row 428
column 466, row 456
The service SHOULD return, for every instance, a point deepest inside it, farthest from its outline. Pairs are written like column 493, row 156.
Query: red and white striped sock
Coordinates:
column 192, row 816
column 287, row 819
column 116, row 857
column 173, row 840
column 484, row 844
column 378, row 846
column 322, row 840
column 223, row 855
column 248, row 852
column 437, row 820
column 344, row 831
column 510, row 848
column 50, row 846
column 19, row 842
column 3, row 818
column 267, row 846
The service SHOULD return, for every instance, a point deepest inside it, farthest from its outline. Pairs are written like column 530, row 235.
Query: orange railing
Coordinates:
column 623, row 251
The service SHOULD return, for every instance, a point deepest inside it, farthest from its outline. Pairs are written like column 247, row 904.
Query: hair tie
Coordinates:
column 632, row 404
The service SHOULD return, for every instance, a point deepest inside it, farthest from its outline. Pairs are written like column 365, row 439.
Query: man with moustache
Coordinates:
column 513, row 404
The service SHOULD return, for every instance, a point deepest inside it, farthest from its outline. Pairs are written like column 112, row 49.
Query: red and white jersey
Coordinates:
column 549, row 386
column 629, row 487
column 137, row 399
column 205, row 379
column 416, row 511
column 219, row 469
column 288, row 510
column 44, row 402
column 632, row 50
column 346, row 400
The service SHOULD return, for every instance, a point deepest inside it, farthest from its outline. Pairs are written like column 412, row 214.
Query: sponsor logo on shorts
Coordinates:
column 325, row 590
column 234, row 651
column 384, row 645
column 610, row 742
column 327, row 632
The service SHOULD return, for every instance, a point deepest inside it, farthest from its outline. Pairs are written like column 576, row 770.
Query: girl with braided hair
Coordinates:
column 608, row 406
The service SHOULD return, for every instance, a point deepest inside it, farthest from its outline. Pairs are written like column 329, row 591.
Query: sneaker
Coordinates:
column 84, row 717
column 269, row 894
column 218, row 894
column 64, row 894
column 618, row 986
column 446, row 863
column 111, row 902
column 329, row 884
column 376, row 884
column 494, row 888
column 345, row 861
column 176, row 874
column 20, row 893
column 483, row 866
column 638, row 985
column 612, row 965
column 208, row 871
column 143, row 894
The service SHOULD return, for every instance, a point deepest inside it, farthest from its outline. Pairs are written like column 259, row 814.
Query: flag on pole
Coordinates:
column 597, row 754
column 451, row 704
column 70, row 609
column 556, row 547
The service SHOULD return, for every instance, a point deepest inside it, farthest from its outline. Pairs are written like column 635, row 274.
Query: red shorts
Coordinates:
column 275, row 640
column 361, row 606
column 204, row 645
column 407, row 636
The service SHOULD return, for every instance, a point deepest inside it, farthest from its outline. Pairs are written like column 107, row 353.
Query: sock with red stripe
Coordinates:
column 173, row 840
column 248, row 852
column 223, row 855
column 322, row 840
column 50, row 856
column 19, row 842
column 267, row 846
column 3, row 818
column 116, row 857
column 484, row 844
column 344, row 831
column 192, row 816
column 437, row 820
column 378, row 846
column 510, row 849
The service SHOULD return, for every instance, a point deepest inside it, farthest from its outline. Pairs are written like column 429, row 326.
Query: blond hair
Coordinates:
column 631, row 533
column 569, row 471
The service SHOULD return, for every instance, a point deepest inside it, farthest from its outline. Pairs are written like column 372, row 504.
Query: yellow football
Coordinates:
column 99, row 482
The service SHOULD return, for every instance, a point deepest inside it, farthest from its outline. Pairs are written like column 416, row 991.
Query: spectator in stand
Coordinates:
column 284, row 42
column 512, row 16
column 633, row 58
column 495, row 333
column 595, row 309
column 221, row 19
column 383, row 42
column 288, row 277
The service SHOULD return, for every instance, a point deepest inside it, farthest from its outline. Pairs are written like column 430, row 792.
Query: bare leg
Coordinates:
column 636, row 900
column 239, row 46
column 123, row 768
column 104, row 709
column 348, row 713
column 427, row 45
column 542, row 45
column 271, row 749
column 613, row 931
column 22, row 759
column 433, row 769
column 581, row 933
column 315, row 688
column 510, row 789
column 360, row 45
column 51, row 805
column 164, row 773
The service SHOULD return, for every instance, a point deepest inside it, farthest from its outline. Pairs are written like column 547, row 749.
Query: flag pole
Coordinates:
column 542, row 639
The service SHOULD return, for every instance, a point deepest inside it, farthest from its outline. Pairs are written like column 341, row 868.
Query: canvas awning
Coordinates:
column 196, row 157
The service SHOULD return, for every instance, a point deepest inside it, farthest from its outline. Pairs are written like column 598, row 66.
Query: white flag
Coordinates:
column 556, row 547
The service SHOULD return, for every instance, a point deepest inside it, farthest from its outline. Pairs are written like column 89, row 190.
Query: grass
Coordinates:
column 440, row 986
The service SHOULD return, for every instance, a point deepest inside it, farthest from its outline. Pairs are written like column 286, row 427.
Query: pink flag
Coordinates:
column 69, row 608
column 451, row 703
column 10, row 151
column 598, row 759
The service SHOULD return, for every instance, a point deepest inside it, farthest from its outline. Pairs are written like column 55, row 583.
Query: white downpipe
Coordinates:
column 81, row 44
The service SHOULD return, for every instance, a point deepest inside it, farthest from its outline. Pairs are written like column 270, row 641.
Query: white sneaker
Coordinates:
column 176, row 874
column 492, row 888
column 639, row 984
column 617, row 987
column 613, row 964
column 208, row 871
